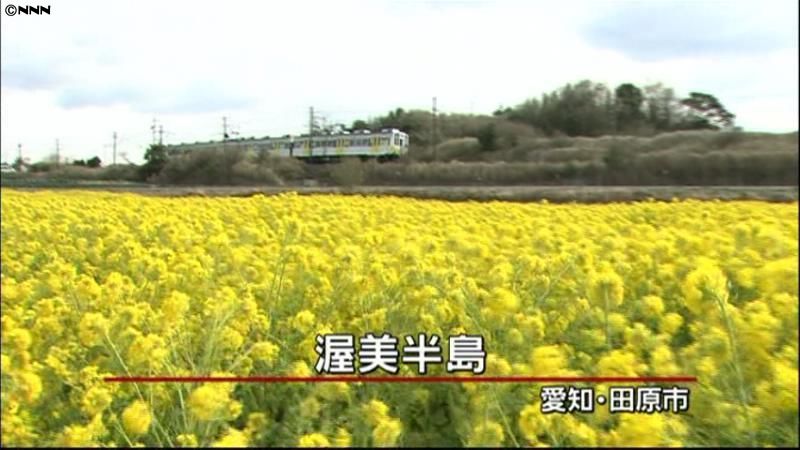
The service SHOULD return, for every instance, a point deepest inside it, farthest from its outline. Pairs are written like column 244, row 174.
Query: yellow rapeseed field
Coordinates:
column 101, row 284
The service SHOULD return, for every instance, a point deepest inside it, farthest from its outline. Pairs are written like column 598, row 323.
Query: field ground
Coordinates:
column 588, row 194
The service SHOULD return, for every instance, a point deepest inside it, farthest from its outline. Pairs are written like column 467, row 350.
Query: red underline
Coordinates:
column 396, row 379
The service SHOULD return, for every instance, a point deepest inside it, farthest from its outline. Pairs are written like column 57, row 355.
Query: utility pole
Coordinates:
column 161, row 135
column 311, row 130
column 114, row 150
column 19, row 153
column 433, row 129
column 224, row 128
column 153, row 129
column 58, row 153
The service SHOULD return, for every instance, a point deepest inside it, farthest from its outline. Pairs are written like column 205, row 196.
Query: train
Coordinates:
column 388, row 144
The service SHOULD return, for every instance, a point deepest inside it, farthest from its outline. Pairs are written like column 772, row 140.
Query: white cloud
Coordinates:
column 90, row 68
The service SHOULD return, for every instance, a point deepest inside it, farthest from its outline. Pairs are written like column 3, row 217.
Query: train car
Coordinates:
column 387, row 144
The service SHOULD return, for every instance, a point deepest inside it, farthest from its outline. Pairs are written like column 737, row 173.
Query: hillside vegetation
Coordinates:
column 678, row 158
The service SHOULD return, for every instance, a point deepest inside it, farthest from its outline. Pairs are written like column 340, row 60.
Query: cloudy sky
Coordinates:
column 91, row 67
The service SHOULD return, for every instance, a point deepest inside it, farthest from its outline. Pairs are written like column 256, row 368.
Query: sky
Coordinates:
column 92, row 68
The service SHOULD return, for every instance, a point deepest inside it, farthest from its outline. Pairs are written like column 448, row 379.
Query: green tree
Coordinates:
column 487, row 137
column 94, row 162
column 155, row 158
column 575, row 110
column 705, row 111
column 582, row 109
column 629, row 99
column 360, row 125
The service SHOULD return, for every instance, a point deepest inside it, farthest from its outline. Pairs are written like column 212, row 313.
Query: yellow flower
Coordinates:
column 780, row 275
column 548, row 360
column 148, row 351
column 187, row 440
column 639, row 430
column 662, row 361
column 620, row 363
column 30, row 385
column 211, row 402
column 19, row 339
column 92, row 329
column 304, row 320
column 136, row 418
column 310, row 407
column 653, row 305
column 532, row 423
column 313, row 440
column 256, row 423
column 232, row 438
column 503, row 301
column 606, row 287
column 488, row 434
column 515, row 337
column 82, row 435
column 299, row 369
column 265, row 351
column 497, row 365
column 231, row 339
column 387, row 432
column 376, row 411
column 175, row 307
column 333, row 391
column 342, row 438
column 96, row 399
column 671, row 322
column 705, row 288
column 76, row 436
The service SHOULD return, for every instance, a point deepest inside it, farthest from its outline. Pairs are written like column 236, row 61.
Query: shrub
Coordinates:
column 348, row 173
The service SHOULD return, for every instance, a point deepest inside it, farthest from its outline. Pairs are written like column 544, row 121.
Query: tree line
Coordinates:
column 585, row 108
column 591, row 109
